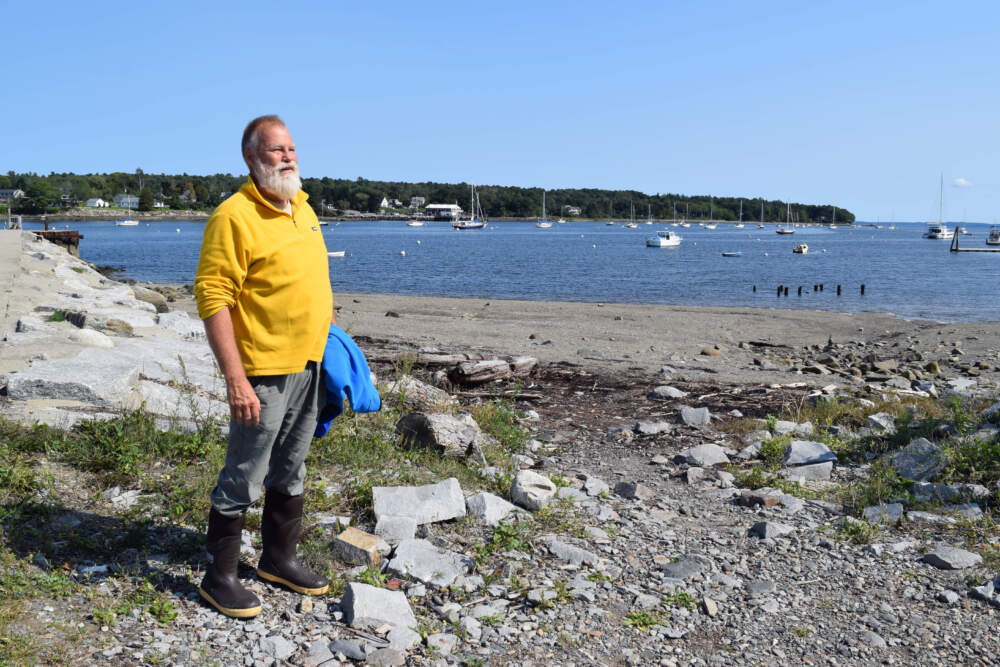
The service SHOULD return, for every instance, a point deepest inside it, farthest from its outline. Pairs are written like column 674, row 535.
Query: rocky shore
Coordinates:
column 639, row 485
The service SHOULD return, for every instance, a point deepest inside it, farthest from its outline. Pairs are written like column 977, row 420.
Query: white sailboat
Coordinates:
column 543, row 223
column 938, row 230
column 631, row 222
column 127, row 221
column 476, row 219
column 739, row 223
column 787, row 229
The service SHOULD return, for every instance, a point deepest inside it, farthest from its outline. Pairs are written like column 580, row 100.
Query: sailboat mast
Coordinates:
column 941, row 201
column 741, row 210
column 762, row 210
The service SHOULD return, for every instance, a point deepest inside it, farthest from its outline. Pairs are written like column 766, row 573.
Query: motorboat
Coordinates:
column 561, row 221
column 963, row 231
column 664, row 239
column 784, row 230
column 938, row 231
column 336, row 253
column 414, row 223
column 801, row 249
column 993, row 238
column 709, row 225
column 733, row 253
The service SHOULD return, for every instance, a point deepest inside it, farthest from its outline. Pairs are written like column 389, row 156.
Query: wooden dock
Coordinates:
column 67, row 238
column 955, row 248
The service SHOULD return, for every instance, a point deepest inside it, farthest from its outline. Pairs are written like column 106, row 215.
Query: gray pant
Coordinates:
column 273, row 452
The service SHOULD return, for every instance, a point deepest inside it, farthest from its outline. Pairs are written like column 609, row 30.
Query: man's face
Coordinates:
column 274, row 163
column 275, row 148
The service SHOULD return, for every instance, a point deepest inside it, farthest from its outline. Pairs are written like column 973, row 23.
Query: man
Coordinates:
column 263, row 290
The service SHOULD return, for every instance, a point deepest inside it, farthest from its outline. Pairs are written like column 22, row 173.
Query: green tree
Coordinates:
column 39, row 197
column 146, row 200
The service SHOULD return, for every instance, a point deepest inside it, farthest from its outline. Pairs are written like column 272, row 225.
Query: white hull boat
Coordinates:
column 664, row 239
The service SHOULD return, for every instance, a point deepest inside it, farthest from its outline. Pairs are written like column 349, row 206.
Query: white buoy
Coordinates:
column 418, row 242
column 403, row 253
column 765, row 254
column 178, row 230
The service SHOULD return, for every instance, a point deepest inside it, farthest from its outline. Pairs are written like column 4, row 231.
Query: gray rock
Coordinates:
column 425, row 562
column 95, row 376
column 695, row 416
column 277, row 647
column 455, row 437
column 783, row 427
column 348, row 648
column 472, row 628
column 488, row 509
column 595, row 487
column 182, row 324
column 365, row 605
column 652, row 427
column 873, row 640
column 918, row 461
column 442, row 643
column 395, row 529
column 418, row 395
column 704, row 456
column 666, row 391
column 929, row 518
column 770, row 529
column 886, row 514
column 807, row 452
column 809, row 473
column 634, row 491
column 403, row 639
column 564, row 549
column 882, row 422
column 531, row 490
column 424, row 504
column 386, row 656
column 952, row 558
column 992, row 413
column 968, row 511
column 319, row 652
column 686, row 567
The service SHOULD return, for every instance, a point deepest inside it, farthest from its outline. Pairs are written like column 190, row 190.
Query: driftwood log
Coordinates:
column 468, row 368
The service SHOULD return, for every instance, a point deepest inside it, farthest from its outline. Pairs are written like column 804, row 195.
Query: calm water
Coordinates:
column 590, row 261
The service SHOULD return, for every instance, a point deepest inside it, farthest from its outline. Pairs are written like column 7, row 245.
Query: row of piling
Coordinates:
column 817, row 287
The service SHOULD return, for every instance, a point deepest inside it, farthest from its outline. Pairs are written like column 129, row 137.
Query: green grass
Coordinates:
column 642, row 620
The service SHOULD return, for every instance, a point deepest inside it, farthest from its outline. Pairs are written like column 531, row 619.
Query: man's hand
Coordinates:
column 244, row 406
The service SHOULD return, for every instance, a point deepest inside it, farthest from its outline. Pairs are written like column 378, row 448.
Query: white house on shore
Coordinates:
column 128, row 201
column 443, row 211
column 96, row 202
column 6, row 194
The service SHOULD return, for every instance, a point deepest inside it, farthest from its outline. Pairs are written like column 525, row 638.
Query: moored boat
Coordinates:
column 664, row 239
column 801, row 249
column 993, row 238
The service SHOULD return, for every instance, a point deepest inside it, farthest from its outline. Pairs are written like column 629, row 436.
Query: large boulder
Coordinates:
column 456, row 437
column 531, row 490
column 424, row 504
column 918, row 461
column 807, row 452
column 418, row 395
column 430, row 564
column 368, row 606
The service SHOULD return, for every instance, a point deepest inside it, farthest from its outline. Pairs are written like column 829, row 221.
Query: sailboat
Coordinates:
column 711, row 214
column 611, row 213
column 739, row 225
column 787, row 229
column 649, row 214
column 631, row 222
column 475, row 221
column 127, row 221
column 543, row 222
column 939, row 230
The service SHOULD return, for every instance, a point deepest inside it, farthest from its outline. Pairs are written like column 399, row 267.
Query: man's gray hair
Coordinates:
column 251, row 135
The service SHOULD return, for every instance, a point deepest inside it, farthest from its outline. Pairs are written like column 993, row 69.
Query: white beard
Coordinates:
column 270, row 179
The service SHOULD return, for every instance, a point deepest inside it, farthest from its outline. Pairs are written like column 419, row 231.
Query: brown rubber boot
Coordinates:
column 221, row 588
column 280, row 528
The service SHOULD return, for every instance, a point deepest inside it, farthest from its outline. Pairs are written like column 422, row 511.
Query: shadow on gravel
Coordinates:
column 90, row 548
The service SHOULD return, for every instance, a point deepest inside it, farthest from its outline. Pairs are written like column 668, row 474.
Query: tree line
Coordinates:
column 334, row 195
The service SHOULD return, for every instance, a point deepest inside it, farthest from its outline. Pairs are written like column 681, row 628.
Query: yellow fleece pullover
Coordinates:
column 271, row 270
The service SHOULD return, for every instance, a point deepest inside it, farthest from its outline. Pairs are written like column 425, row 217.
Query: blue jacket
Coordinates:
column 345, row 373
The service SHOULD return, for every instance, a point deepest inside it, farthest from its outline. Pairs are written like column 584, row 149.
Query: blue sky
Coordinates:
column 860, row 104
